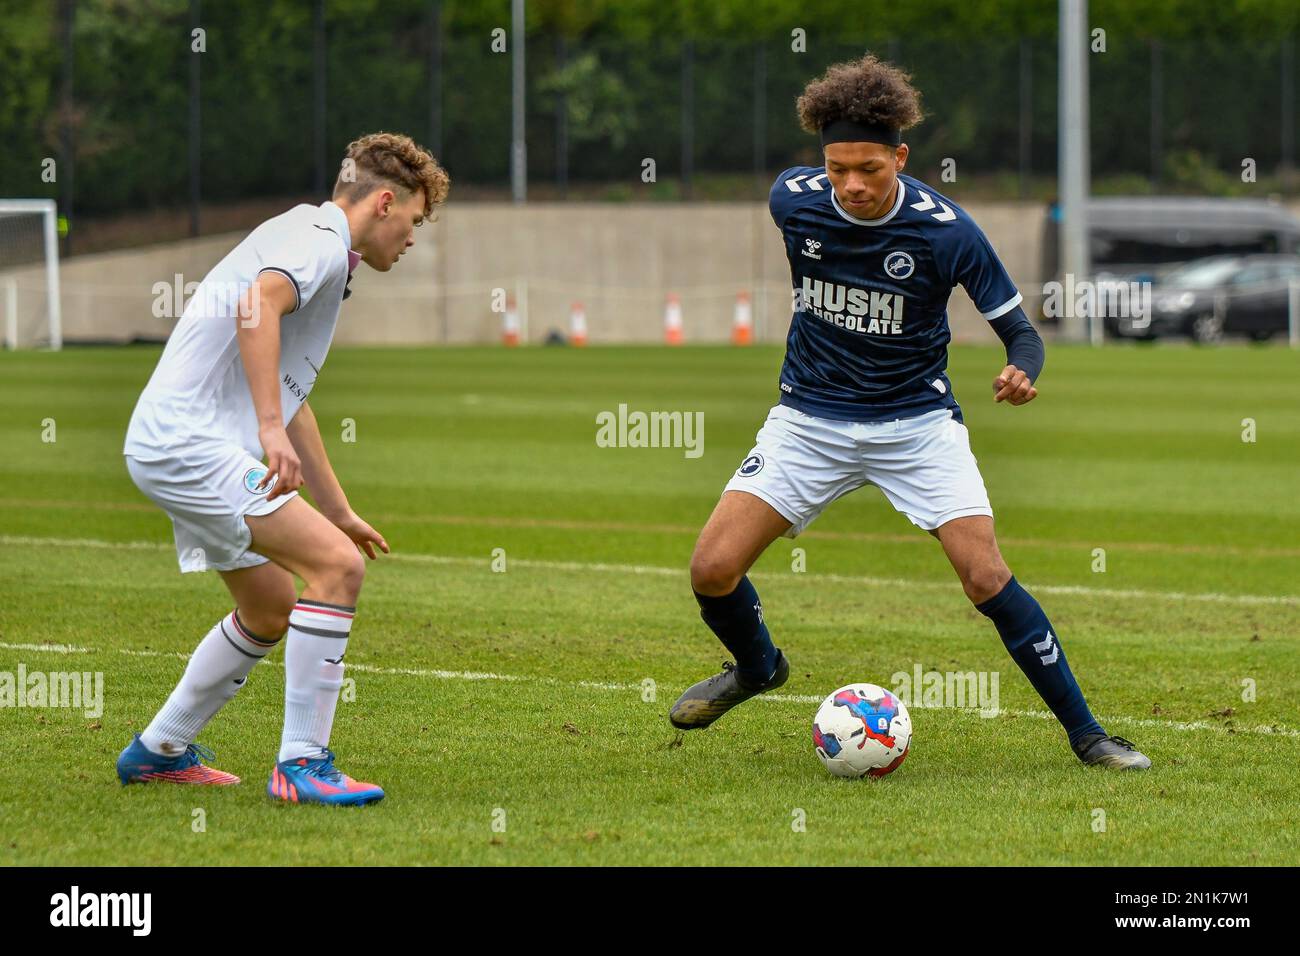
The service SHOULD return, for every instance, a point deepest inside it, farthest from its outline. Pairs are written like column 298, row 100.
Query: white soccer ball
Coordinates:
column 862, row 731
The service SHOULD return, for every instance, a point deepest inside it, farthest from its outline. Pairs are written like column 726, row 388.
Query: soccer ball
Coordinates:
column 862, row 731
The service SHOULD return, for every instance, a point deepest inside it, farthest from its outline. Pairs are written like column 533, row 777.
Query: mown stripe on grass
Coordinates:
column 1272, row 730
column 1285, row 600
column 634, row 527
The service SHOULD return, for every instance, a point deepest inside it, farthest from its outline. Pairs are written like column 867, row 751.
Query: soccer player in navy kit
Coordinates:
column 874, row 256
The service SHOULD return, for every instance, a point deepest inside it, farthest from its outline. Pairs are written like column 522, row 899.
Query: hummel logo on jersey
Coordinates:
column 812, row 246
column 855, row 310
column 1045, row 645
column 926, row 204
column 811, row 182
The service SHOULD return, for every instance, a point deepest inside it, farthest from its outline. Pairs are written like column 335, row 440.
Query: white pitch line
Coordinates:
column 437, row 674
column 1198, row 726
column 1283, row 600
column 46, row 648
column 24, row 541
column 1195, row 725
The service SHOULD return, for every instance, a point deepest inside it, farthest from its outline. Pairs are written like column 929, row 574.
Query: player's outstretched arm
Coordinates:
column 1025, row 355
column 258, row 334
column 324, row 485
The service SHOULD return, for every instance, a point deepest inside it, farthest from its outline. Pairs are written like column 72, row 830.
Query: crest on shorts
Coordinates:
column 251, row 478
column 751, row 466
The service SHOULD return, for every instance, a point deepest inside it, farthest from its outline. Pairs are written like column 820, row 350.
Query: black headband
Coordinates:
column 851, row 131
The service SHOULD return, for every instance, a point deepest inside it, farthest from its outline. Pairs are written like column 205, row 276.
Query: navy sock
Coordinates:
column 737, row 619
column 1034, row 646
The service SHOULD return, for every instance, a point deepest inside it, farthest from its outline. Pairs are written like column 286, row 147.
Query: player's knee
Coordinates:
column 713, row 575
column 280, row 614
column 343, row 574
column 985, row 581
column 277, row 623
column 353, row 571
column 268, row 624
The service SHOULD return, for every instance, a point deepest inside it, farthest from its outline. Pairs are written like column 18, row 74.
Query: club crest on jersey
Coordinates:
column 854, row 310
column 899, row 265
column 751, row 466
column 810, row 248
column 251, row 478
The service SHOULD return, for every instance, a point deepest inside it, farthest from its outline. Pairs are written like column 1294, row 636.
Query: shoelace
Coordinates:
column 727, row 668
column 326, row 769
column 196, row 754
column 1126, row 744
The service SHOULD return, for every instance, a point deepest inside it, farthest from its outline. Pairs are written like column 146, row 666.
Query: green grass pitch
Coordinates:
column 508, row 715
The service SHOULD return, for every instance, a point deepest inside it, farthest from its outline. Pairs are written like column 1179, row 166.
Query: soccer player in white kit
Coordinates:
column 231, row 388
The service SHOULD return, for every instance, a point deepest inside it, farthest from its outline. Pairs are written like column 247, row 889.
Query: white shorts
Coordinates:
column 924, row 466
column 206, row 490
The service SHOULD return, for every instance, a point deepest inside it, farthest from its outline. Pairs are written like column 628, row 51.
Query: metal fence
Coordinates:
column 138, row 119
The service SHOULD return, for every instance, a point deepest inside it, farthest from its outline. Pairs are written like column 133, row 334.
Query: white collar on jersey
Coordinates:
column 341, row 220
column 898, row 204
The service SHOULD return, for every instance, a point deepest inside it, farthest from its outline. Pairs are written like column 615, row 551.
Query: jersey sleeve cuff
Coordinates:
column 1004, row 308
column 297, row 292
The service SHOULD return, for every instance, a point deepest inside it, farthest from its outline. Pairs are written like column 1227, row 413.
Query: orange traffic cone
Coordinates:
column 577, row 324
column 673, row 320
column 510, row 324
column 742, row 322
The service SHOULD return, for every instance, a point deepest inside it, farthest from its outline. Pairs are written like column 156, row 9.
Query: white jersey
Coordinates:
column 199, row 390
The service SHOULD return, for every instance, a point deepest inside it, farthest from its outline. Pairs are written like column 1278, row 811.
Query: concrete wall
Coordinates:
column 620, row 261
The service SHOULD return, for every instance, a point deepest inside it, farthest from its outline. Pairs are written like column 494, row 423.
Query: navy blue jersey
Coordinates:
column 869, row 337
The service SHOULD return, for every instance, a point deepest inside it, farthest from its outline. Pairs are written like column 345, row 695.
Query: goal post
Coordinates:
column 29, row 273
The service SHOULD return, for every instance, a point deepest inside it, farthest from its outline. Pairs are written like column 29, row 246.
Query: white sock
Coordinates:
column 216, row 671
column 313, row 675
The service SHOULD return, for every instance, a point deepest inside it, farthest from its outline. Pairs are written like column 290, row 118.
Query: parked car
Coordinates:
column 1143, row 238
column 1218, row 296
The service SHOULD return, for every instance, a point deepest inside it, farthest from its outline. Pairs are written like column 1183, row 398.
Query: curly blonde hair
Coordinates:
column 868, row 90
column 391, row 159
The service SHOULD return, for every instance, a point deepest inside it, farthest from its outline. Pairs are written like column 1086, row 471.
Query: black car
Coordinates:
column 1141, row 238
column 1221, row 295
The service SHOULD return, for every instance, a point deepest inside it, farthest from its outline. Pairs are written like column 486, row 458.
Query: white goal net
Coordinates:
column 29, row 274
